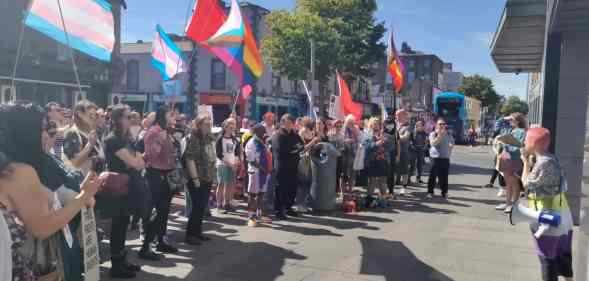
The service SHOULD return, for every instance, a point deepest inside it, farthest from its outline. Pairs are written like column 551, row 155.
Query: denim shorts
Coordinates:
column 225, row 175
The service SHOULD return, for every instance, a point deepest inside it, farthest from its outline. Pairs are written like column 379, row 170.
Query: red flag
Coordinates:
column 349, row 106
column 207, row 18
column 396, row 67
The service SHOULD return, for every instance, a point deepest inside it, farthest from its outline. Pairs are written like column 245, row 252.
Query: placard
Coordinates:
column 335, row 109
column 90, row 244
column 206, row 110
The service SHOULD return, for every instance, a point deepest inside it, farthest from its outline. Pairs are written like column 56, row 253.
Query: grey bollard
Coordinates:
column 324, row 164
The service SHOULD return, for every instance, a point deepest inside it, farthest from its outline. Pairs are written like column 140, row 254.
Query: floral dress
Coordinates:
column 22, row 268
column 546, row 187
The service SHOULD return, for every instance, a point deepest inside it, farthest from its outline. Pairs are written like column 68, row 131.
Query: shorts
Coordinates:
column 257, row 184
column 512, row 167
column 225, row 175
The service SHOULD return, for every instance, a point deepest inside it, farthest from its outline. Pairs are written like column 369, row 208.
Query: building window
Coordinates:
column 410, row 63
column 410, row 77
column 427, row 63
column 276, row 82
column 217, row 75
column 133, row 75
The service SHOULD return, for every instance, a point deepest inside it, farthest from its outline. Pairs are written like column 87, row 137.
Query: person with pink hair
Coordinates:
column 545, row 184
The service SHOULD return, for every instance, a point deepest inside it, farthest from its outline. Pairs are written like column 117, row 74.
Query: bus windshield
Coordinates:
column 449, row 109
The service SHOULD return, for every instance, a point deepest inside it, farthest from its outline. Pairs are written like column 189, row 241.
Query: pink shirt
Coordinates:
column 159, row 150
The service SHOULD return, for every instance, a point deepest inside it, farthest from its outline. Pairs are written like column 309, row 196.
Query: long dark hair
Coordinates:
column 117, row 115
column 21, row 125
column 160, row 116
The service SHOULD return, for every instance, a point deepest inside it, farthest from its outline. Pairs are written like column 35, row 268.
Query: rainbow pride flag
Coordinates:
column 235, row 45
column 166, row 57
column 89, row 24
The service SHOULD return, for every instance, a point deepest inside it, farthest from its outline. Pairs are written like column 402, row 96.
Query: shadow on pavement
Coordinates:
column 395, row 262
column 221, row 259
column 459, row 169
column 483, row 201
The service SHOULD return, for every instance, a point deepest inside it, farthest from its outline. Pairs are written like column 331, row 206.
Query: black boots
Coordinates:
column 121, row 268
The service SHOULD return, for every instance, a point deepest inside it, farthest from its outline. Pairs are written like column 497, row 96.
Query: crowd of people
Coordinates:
column 129, row 166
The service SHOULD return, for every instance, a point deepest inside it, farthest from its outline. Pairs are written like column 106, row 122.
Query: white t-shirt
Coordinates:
column 228, row 147
column 252, row 155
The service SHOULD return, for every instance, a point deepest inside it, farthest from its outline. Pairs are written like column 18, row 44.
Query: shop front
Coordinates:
column 222, row 104
column 277, row 105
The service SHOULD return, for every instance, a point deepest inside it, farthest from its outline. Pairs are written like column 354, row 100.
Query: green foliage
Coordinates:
column 345, row 33
column 288, row 48
column 514, row 104
column 481, row 88
column 359, row 32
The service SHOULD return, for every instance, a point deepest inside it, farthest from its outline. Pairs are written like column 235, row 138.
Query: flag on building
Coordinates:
column 396, row 67
column 349, row 106
column 230, row 39
column 166, row 57
column 89, row 24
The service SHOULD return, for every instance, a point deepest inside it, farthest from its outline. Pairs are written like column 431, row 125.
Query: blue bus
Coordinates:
column 451, row 107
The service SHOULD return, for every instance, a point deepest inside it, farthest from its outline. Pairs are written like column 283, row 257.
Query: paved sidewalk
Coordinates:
column 462, row 239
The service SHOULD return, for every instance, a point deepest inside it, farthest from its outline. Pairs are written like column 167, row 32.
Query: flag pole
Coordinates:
column 17, row 59
column 67, row 38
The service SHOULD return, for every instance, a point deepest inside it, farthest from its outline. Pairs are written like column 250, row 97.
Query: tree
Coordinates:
column 481, row 88
column 514, row 104
column 359, row 33
column 287, row 49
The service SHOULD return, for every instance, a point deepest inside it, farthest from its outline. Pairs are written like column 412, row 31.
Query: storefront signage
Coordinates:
column 212, row 99
column 273, row 101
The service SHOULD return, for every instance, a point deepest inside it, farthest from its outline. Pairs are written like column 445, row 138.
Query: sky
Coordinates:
column 457, row 31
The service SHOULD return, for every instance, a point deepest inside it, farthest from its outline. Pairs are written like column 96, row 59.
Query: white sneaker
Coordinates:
column 403, row 191
column 508, row 209
column 501, row 192
column 429, row 196
column 302, row 209
column 501, row 207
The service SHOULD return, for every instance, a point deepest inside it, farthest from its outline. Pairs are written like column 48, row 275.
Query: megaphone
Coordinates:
column 545, row 219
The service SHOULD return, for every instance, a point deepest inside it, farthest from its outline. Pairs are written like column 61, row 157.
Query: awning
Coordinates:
column 518, row 45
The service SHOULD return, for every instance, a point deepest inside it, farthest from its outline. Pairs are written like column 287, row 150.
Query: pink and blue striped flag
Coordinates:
column 166, row 56
column 89, row 24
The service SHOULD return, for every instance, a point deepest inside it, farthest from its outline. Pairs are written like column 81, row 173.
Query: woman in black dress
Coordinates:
column 122, row 159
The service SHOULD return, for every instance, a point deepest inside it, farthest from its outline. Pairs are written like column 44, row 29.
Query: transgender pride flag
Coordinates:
column 89, row 24
column 166, row 56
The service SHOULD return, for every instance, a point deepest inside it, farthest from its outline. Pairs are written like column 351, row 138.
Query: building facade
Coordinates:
column 44, row 70
column 208, row 81
column 451, row 80
column 423, row 75
column 474, row 111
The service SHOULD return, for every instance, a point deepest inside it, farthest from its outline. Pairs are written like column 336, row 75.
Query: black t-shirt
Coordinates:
column 112, row 144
